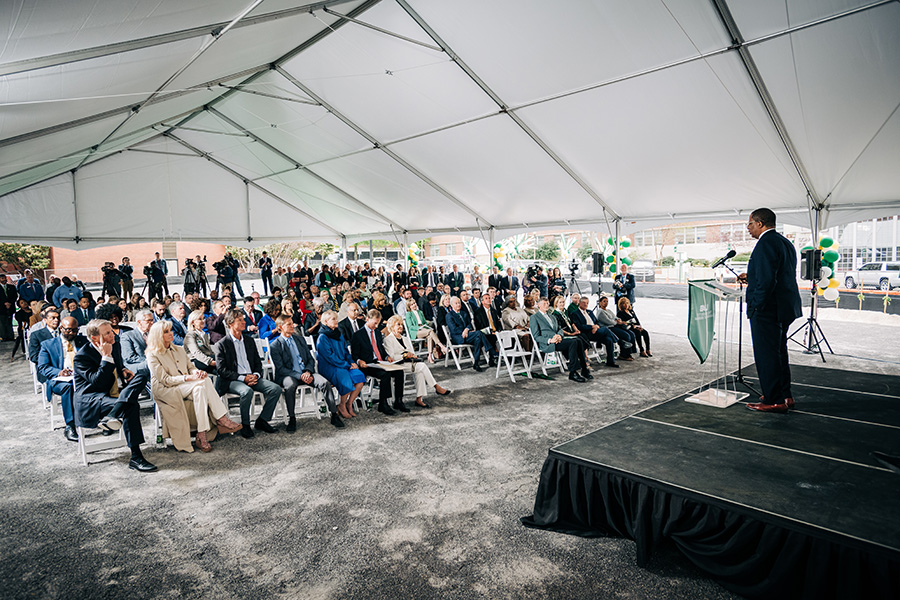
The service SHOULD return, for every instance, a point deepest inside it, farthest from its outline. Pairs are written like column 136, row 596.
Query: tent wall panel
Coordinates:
column 49, row 204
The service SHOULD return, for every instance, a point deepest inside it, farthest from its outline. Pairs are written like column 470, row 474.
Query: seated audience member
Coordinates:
column 69, row 306
column 134, row 343
column 160, row 310
column 126, row 309
column 380, row 303
column 399, row 349
column 280, row 279
column 197, row 346
column 466, row 305
column 38, row 336
column 106, row 393
column 440, row 316
column 240, row 372
column 56, row 358
column 367, row 349
column 605, row 316
column 633, row 324
column 305, row 304
column 475, row 298
column 352, row 323
column 402, row 303
column 268, row 328
column 462, row 331
column 113, row 314
column 530, row 304
column 327, row 300
column 37, row 307
column 549, row 338
column 66, row 290
column 215, row 325
column 574, row 303
column 515, row 318
column 337, row 365
column 252, row 316
column 558, row 311
column 420, row 328
column 487, row 321
column 178, row 319
column 592, row 329
column 295, row 365
column 173, row 379
column 428, row 306
column 313, row 321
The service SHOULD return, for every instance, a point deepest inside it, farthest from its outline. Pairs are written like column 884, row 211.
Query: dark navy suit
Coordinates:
column 457, row 322
column 51, row 361
column 773, row 303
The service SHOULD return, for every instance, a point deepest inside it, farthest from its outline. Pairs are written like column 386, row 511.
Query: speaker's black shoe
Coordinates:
column 142, row 464
column 71, row 434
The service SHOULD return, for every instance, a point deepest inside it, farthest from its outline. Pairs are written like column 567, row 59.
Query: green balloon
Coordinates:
column 805, row 248
column 610, row 241
column 831, row 256
column 826, row 242
column 612, row 268
column 627, row 261
column 626, row 243
column 610, row 259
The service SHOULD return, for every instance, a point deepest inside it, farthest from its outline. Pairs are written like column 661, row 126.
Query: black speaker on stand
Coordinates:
column 597, row 266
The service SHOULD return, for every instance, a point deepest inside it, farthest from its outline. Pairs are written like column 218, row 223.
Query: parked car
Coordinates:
column 883, row 275
column 643, row 270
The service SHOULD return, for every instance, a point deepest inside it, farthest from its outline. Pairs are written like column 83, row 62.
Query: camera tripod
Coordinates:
column 812, row 341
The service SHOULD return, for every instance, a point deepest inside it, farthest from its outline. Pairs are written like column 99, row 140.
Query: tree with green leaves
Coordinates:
column 548, row 251
column 25, row 256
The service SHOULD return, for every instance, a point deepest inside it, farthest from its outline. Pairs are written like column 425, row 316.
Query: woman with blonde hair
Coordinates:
column 626, row 313
column 399, row 348
column 174, row 379
column 196, row 343
column 420, row 329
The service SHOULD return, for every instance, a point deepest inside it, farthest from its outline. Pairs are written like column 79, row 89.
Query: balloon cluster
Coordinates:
column 827, row 286
column 612, row 252
column 498, row 255
column 412, row 254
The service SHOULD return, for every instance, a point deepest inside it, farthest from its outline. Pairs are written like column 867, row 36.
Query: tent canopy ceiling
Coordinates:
column 249, row 122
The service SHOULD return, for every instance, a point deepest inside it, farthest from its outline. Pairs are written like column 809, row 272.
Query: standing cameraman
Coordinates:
column 161, row 270
column 156, row 280
column 127, row 273
column 111, row 279
column 235, row 276
column 202, row 282
column 191, row 274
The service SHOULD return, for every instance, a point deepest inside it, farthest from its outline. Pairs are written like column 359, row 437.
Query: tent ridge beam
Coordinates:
column 299, row 165
column 382, row 30
column 378, row 145
column 247, row 181
column 730, row 25
column 63, row 58
column 504, row 107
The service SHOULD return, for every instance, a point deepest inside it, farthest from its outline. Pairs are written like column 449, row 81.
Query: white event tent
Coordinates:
column 251, row 122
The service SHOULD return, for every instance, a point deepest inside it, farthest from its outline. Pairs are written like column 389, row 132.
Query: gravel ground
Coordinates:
column 424, row 505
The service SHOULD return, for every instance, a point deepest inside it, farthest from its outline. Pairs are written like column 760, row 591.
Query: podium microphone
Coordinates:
column 721, row 261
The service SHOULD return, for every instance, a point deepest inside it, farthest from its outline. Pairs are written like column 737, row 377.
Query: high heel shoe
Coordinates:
column 226, row 425
column 202, row 442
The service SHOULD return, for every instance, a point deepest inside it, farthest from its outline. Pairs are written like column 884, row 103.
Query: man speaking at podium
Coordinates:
column 773, row 303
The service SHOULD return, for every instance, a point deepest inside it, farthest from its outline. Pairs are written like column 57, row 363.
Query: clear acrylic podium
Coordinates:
column 714, row 381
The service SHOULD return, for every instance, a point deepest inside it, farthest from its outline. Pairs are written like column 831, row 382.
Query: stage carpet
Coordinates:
column 771, row 506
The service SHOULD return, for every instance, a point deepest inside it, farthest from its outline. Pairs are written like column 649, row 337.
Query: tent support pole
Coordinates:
column 75, row 205
column 618, row 244
column 406, row 250
column 492, row 240
column 344, row 250
column 371, row 252
column 249, row 223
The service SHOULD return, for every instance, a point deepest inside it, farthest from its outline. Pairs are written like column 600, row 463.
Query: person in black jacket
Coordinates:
column 265, row 271
column 773, row 303
column 240, row 372
column 106, row 393
column 367, row 349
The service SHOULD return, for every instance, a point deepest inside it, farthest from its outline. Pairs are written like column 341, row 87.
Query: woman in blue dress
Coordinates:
column 336, row 365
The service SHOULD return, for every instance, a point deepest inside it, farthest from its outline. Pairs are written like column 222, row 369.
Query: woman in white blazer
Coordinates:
column 174, row 379
column 399, row 348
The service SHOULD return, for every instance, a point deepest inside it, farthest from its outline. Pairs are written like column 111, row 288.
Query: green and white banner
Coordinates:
column 701, row 318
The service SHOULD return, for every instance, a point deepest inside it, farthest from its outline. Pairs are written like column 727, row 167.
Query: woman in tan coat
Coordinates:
column 174, row 379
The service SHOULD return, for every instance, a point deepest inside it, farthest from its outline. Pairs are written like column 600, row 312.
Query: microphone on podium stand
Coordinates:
column 721, row 261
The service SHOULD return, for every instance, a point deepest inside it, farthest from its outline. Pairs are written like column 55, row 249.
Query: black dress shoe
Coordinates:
column 142, row 464
column 264, row 426
column 613, row 365
column 292, row 425
column 478, row 367
column 446, row 392
column 492, row 362
column 586, row 374
column 384, row 408
column 109, row 423
column 398, row 405
column 573, row 376
column 336, row 420
column 247, row 432
column 71, row 434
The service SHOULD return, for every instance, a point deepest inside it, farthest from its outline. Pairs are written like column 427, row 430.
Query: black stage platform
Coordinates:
column 771, row 506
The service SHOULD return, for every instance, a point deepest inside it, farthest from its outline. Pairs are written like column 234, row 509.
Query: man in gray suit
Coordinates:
column 134, row 342
column 295, row 366
column 550, row 338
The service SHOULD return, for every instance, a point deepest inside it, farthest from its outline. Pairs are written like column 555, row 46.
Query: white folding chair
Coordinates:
column 302, row 407
column 262, row 346
column 456, row 351
column 105, row 443
column 38, row 388
column 560, row 359
column 420, row 346
column 257, row 398
column 55, row 408
column 510, row 349
column 312, row 345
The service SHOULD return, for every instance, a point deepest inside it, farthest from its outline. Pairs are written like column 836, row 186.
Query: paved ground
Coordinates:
column 424, row 505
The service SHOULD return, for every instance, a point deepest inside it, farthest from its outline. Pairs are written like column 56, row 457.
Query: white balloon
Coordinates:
column 825, row 272
column 831, row 294
column 823, row 283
